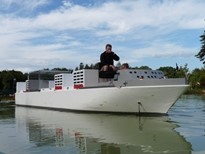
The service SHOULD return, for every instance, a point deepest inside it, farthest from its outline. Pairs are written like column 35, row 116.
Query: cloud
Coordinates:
column 163, row 50
column 22, row 4
column 113, row 18
column 154, row 54
column 71, row 30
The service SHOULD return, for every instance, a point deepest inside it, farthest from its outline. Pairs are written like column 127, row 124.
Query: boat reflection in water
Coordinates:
column 100, row 133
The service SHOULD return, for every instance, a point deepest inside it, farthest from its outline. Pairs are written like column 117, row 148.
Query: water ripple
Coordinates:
column 189, row 114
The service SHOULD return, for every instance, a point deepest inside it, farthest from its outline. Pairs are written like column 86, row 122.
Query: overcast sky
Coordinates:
column 37, row 34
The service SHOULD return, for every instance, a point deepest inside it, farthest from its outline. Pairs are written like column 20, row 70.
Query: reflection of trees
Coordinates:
column 108, row 148
column 40, row 135
column 7, row 112
column 59, row 137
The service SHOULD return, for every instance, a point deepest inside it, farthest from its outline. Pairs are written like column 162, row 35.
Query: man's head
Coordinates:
column 108, row 47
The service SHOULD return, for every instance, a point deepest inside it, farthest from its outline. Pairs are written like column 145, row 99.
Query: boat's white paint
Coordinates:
column 131, row 91
column 153, row 99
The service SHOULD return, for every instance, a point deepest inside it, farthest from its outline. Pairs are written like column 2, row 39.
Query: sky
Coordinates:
column 38, row 34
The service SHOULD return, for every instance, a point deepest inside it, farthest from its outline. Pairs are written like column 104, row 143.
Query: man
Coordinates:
column 107, row 57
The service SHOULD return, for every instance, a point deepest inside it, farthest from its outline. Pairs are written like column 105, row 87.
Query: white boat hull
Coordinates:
column 134, row 99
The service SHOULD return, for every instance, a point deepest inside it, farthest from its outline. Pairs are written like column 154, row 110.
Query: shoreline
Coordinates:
column 7, row 100
column 195, row 92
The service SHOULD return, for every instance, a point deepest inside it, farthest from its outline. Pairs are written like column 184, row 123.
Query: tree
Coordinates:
column 168, row 71
column 182, row 72
column 145, row 68
column 197, row 78
column 76, row 68
column 91, row 66
column 8, row 81
column 201, row 54
column 118, row 65
column 141, row 67
column 178, row 72
column 81, row 66
column 59, row 69
column 86, row 66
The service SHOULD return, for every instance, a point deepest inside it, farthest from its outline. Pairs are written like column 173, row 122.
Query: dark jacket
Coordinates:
column 107, row 58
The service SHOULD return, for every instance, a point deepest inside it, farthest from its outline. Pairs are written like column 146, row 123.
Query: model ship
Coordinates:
column 125, row 91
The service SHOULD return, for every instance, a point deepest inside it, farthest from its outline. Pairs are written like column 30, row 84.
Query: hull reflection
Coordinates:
column 100, row 133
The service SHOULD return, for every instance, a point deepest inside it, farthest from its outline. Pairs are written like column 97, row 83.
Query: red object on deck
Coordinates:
column 78, row 86
column 58, row 87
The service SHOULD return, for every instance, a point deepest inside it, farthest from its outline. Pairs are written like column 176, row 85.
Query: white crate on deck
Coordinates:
column 50, row 84
column 86, row 77
column 64, row 80
column 20, row 86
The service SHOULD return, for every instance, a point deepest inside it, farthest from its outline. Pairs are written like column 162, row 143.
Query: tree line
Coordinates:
column 196, row 78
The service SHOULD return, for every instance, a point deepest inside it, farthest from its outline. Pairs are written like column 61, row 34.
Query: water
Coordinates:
column 29, row 130
column 189, row 114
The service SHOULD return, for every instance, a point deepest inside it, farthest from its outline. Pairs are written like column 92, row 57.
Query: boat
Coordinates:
column 131, row 91
column 98, row 133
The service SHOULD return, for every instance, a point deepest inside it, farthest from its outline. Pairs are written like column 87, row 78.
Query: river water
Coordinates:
column 31, row 130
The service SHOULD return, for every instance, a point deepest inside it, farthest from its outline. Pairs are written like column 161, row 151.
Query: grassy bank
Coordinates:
column 196, row 91
column 7, row 100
